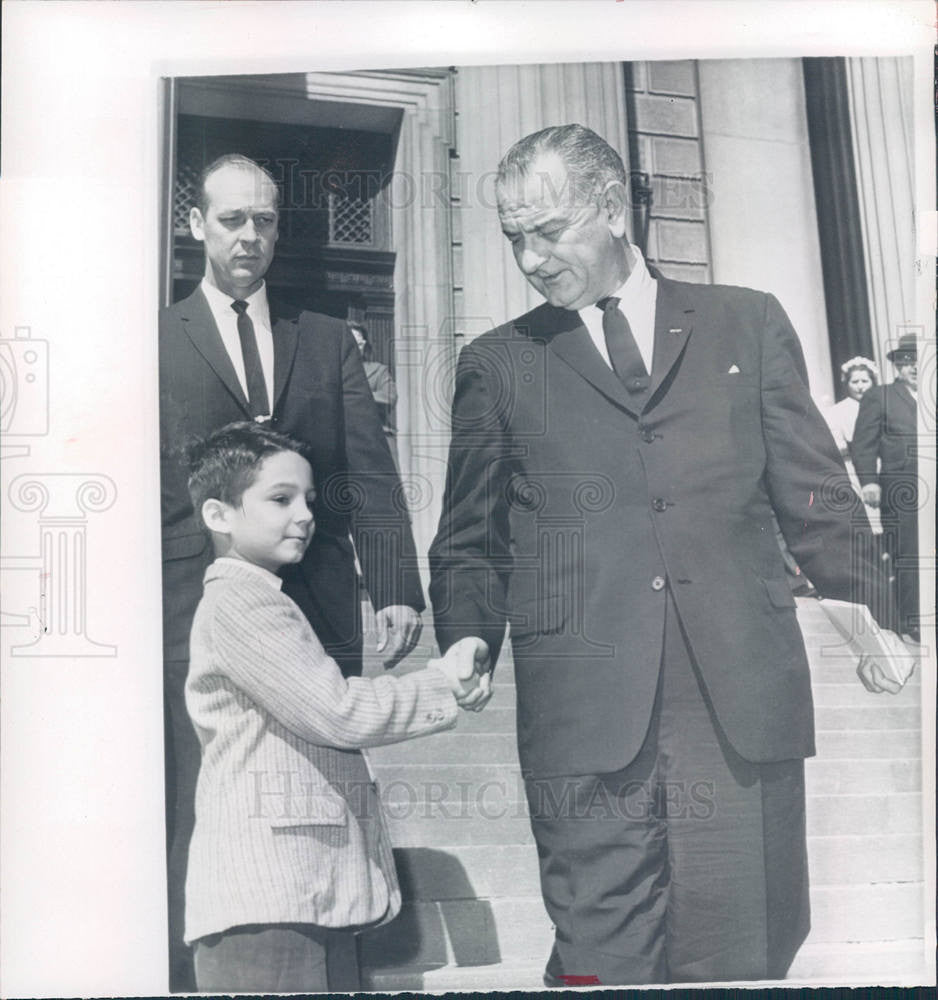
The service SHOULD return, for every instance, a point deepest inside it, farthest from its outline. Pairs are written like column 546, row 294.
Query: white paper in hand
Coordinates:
column 865, row 638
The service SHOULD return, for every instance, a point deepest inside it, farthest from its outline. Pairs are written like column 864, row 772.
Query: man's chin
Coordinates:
column 568, row 302
column 559, row 296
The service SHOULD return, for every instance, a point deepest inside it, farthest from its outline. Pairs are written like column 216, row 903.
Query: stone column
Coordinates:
column 761, row 210
column 882, row 127
column 423, row 285
column 497, row 105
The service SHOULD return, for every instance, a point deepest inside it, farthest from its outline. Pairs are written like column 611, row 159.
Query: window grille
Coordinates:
column 188, row 172
column 351, row 220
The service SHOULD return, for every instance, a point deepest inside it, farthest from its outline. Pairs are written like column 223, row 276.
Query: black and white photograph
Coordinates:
column 541, row 589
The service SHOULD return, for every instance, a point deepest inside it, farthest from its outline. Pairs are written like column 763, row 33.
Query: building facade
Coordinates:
column 793, row 176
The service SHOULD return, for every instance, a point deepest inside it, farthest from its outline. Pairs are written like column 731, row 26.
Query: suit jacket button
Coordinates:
column 658, row 583
column 659, row 504
column 648, row 435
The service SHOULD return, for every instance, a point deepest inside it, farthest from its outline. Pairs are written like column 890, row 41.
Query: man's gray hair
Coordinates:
column 229, row 160
column 590, row 161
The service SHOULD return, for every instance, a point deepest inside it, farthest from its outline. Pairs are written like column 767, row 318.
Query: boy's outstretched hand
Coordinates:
column 467, row 667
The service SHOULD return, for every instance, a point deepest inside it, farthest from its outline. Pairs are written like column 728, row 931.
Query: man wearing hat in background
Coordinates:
column 886, row 430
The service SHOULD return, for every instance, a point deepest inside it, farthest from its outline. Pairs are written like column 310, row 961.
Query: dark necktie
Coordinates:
column 620, row 343
column 253, row 372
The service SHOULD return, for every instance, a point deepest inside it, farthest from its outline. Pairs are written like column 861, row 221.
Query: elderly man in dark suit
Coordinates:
column 228, row 353
column 885, row 454
column 617, row 457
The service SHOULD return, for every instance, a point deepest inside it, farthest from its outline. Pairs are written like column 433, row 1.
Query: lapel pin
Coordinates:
column 734, row 370
column 676, row 329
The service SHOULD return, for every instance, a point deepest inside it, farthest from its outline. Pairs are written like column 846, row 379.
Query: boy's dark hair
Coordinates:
column 224, row 464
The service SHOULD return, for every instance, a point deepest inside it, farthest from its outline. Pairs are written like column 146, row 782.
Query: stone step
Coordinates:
column 855, row 744
column 827, row 669
column 500, row 797
column 496, row 717
column 454, row 825
column 473, row 871
column 882, row 912
column 454, row 978
column 462, row 932
column 499, row 715
column 449, row 747
column 452, row 774
column 486, row 748
column 472, row 932
column 884, row 716
column 851, row 859
column 417, row 790
column 890, row 963
column 852, row 693
column 833, row 777
column 477, row 740
column 414, row 785
column 468, row 872
column 871, row 815
column 886, row 963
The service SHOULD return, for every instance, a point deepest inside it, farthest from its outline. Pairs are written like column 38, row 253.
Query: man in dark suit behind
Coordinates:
column 885, row 454
column 617, row 457
column 228, row 353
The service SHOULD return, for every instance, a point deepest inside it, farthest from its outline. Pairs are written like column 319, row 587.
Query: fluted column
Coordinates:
column 423, row 283
column 882, row 126
column 64, row 502
column 498, row 105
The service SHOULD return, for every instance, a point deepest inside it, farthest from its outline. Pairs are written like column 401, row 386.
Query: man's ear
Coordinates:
column 196, row 223
column 215, row 515
column 614, row 203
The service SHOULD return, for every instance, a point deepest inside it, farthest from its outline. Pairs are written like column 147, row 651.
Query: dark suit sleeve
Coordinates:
column 864, row 448
column 470, row 558
column 174, row 494
column 821, row 517
column 380, row 521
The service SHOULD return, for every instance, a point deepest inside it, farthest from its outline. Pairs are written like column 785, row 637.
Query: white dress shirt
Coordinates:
column 226, row 319
column 637, row 301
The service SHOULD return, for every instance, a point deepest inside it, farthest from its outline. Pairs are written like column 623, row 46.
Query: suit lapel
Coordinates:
column 674, row 321
column 286, row 335
column 574, row 345
column 199, row 324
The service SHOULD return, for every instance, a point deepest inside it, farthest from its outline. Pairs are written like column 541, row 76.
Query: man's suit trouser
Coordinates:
column 183, row 756
column 899, row 518
column 688, row 865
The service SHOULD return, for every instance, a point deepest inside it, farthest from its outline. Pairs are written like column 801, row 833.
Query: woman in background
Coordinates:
column 858, row 374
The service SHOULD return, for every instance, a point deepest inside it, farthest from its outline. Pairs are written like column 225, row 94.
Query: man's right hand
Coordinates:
column 872, row 494
column 469, row 670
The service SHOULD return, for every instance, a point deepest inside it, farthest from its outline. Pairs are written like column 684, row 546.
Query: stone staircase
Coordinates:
column 473, row 917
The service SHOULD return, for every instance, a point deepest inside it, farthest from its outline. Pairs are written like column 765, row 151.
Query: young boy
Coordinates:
column 290, row 853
